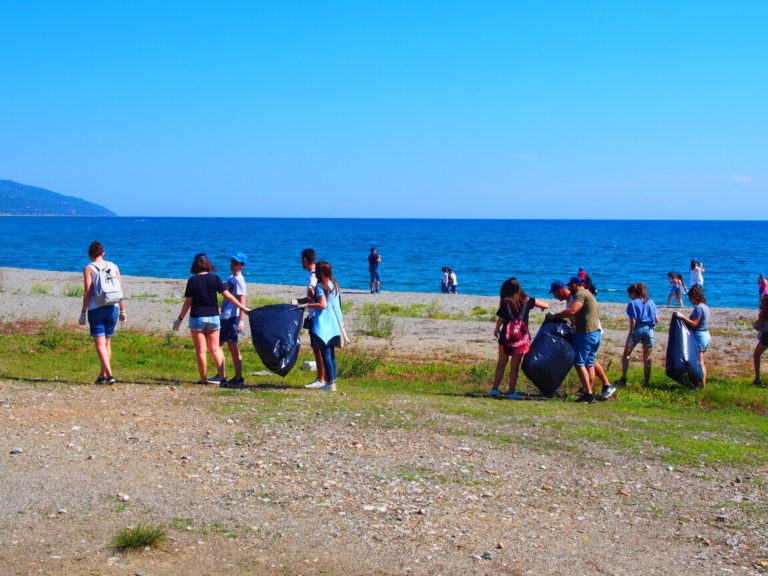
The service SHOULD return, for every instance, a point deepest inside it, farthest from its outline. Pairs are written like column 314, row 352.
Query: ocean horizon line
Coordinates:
column 385, row 218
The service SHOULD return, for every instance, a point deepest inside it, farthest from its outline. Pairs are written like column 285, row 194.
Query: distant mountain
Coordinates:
column 22, row 200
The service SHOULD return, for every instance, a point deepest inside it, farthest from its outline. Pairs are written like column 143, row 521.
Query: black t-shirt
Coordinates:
column 506, row 313
column 203, row 288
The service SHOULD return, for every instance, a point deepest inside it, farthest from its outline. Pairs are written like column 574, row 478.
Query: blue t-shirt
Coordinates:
column 701, row 311
column 373, row 261
column 642, row 312
column 326, row 324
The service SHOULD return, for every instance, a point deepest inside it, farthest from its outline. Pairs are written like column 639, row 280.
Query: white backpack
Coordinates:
column 105, row 288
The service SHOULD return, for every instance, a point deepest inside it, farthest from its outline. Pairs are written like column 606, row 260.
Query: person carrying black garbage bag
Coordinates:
column 585, row 312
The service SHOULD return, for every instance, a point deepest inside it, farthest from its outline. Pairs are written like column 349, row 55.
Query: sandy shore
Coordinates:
column 153, row 303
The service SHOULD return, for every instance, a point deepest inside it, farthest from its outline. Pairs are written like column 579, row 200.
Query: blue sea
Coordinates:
column 482, row 252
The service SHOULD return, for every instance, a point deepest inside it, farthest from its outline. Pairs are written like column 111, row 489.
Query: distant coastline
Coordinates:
column 23, row 200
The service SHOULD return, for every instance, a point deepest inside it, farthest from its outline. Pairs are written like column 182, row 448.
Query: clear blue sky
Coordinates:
column 562, row 109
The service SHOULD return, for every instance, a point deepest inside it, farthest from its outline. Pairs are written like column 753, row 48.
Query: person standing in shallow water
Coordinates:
column 101, row 319
column 697, row 273
column 374, row 259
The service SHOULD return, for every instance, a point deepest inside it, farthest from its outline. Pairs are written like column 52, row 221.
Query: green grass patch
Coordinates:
column 73, row 290
column 138, row 538
column 432, row 310
column 724, row 424
column 41, row 288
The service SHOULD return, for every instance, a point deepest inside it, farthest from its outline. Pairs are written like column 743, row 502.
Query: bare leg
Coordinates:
column 218, row 356
column 759, row 349
column 104, row 351
column 586, row 376
column 200, row 352
column 628, row 347
column 647, row 350
column 514, row 369
column 600, row 373
column 703, row 370
column 501, row 365
column 237, row 358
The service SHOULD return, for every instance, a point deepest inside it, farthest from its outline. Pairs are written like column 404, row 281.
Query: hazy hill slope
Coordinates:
column 22, row 200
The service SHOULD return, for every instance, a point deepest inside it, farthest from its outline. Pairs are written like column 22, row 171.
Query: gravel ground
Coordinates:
column 283, row 481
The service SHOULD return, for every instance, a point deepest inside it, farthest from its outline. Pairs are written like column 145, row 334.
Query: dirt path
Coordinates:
column 286, row 482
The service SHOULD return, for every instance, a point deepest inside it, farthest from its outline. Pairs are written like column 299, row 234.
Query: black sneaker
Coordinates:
column 110, row 380
column 237, row 382
column 101, row 380
column 586, row 398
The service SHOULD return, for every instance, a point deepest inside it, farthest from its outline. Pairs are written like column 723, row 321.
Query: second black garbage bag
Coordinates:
column 683, row 363
column 275, row 332
column 550, row 357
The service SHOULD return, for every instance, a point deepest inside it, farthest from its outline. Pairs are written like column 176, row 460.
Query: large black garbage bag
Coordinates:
column 683, row 364
column 275, row 334
column 550, row 357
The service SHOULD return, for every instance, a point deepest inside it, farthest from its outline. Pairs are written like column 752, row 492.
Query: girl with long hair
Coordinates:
column 328, row 323
column 699, row 322
column 200, row 300
column 512, row 333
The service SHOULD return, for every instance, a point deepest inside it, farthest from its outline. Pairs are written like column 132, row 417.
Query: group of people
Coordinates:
column 449, row 283
column 677, row 284
column 582, row 309
column 211, row 328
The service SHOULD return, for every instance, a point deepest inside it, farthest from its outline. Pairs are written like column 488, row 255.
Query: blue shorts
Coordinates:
column 703, row 339
column 375, row 276
column 103, row 320
column 204, row 323
column 585, row 348
column 229, row 330
column 643, row 334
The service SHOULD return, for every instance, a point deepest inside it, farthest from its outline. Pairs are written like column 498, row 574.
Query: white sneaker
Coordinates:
column 331, row 387
column 314, row 384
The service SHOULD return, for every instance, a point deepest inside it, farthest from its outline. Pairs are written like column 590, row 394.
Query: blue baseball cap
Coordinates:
column 240, row 257
column 555, row 286
column 577, row 280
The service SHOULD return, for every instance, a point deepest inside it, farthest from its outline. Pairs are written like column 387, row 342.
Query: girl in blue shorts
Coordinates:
column 200, row 300
column 698, row 321
column 641, row 312
column 101, row 319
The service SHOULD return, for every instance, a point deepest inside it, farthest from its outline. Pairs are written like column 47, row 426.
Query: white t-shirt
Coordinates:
column 311, row 288
column 697, row 277
column 236, row 286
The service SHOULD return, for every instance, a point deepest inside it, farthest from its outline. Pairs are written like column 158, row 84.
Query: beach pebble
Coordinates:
column 17, row 451
column 123, row 497
column 309, row 366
